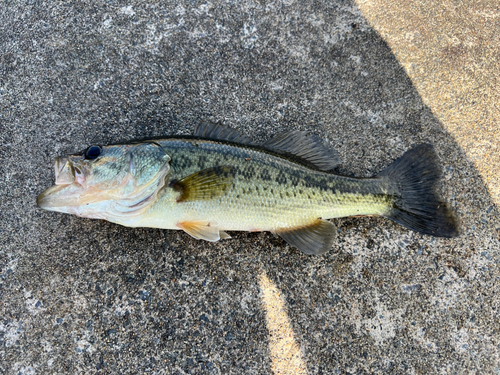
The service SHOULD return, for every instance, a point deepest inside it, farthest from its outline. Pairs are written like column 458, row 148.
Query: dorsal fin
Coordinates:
column 309, row 148
column 220, row 132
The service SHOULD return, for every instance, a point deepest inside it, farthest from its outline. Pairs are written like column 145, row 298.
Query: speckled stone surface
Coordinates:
column 82, row 296
column 451, row 52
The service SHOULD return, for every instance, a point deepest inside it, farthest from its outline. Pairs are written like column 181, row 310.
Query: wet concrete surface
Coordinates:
column 81, row 296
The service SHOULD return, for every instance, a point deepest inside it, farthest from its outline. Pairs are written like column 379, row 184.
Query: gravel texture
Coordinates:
column 81, row 296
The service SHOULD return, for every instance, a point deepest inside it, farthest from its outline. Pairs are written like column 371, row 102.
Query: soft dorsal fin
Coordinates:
column 220, row 132
column 309, row 148
column 203, row 230
column 313, row 239
column 206, row 184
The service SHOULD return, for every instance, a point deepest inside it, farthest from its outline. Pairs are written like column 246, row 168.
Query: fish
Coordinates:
column 220, row 180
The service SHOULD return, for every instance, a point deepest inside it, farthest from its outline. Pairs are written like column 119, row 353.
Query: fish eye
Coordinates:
column 92, row 152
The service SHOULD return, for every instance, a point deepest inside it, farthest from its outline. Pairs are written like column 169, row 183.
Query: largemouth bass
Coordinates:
column 219, row 180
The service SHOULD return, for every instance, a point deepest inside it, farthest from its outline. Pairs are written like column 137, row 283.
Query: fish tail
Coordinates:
column 413, row 179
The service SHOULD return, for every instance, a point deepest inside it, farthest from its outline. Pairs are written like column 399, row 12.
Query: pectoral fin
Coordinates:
column 314, row 239
column 203, row 185
column 202, row 230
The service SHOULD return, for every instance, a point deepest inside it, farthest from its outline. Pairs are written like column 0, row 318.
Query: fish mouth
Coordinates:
column 65, row 192
column 64, row 170
column 57, row 197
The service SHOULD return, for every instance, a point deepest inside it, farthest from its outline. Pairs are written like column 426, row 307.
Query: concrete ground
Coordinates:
column 372, row 77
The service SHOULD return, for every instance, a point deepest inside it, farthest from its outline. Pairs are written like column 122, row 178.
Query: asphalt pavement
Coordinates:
column 81, row 296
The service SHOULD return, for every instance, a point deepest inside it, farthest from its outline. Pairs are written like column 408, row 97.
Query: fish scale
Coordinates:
column 218, row 180
column 292, row 195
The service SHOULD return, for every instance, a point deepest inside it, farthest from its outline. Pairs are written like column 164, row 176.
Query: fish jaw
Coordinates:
column 71, row 200
column 57, row 197
column 69, row 191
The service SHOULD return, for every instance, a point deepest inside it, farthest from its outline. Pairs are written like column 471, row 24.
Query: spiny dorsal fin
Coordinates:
column 313, row 239
column 206, row 184
column 306, row 147
column 201, row 230
column 220, row 132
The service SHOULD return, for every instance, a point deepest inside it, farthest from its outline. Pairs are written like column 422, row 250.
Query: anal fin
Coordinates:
column 313, row 239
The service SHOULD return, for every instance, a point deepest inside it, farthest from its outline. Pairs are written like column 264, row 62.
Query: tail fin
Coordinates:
column 413, row 178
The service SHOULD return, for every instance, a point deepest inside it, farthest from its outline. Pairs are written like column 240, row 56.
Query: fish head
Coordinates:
column 105, row 181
